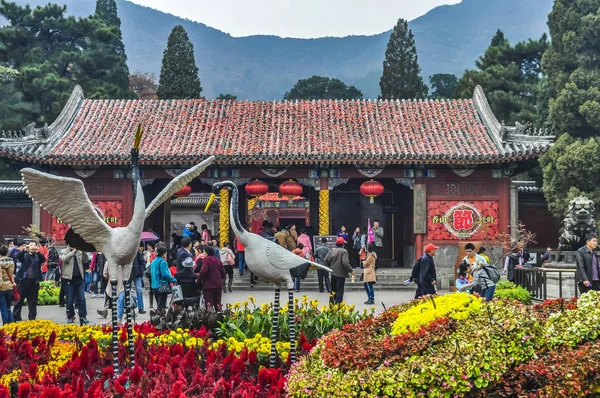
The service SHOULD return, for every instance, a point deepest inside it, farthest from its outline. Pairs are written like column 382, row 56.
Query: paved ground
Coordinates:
column 388, row 297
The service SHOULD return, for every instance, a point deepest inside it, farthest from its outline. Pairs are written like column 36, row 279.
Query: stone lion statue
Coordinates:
column 579, row 222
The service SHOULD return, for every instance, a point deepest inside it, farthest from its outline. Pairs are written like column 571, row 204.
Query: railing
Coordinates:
column 535, row 280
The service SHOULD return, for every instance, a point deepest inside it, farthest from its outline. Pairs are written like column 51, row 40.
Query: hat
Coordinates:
column 339, row 240
column 430, row 247
column 188, row 262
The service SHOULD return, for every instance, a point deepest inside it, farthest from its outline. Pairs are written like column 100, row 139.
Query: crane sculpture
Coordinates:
column 66, row 199
column 268, row 261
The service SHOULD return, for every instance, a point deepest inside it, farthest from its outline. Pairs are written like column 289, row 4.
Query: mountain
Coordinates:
column 449, row 40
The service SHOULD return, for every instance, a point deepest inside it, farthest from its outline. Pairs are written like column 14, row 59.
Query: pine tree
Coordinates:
column 179, row 73
column 401, row 69
column 106, row 11
column 318, row 87
column 511, row 78
column 573, row 71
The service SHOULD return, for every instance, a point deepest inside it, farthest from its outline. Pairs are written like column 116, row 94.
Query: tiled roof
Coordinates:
column 241, row 132
column 195, row 201
column 9, row 187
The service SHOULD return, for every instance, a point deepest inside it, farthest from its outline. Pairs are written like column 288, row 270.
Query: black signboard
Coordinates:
column 330, row 241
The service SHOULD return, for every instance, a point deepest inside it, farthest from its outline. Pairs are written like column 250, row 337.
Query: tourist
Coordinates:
column 281, row 237
column 299, row 251
column 187, row 231
column 228, row 260
column 291, row 239
column 215, row 245
column 359, row 245
column 378, row 234
column 188, row 280
column 481, row 279
column 427, row 275
column 524, row 256
column 343, row 234
column 306, row 245
column 120, row 293
column 472, row 257
column 184, row 252
column 587, row 274
column 481, row 252
column 195, row 233
column 512, row 262
column 53, row 258
column 199, row 252
column 43, row 250
column 338, row 261
column 239, row 248
column 369, row 277
column 28, row 279
column 161, row 278
column 463, row 276
column 98, row 265
column 321, row 253
column 7, row 282
column 211, row 277
column 545, row 257
column 205, row 235
column 137, row 271
column 149, row 253
column 75, row 264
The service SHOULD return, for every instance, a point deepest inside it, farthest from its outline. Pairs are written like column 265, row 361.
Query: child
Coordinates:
column 462, row 276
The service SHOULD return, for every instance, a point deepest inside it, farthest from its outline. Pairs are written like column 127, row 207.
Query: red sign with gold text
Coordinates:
column 110, row 210
column 457, row 220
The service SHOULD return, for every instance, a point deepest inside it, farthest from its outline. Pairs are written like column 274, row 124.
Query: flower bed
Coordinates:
column 506, row 289
column 41, row 358
column 457, row 348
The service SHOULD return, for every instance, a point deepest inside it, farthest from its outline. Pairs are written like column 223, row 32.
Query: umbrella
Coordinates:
column 149, row 237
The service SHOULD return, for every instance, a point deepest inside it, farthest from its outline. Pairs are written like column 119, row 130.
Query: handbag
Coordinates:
column 164, row 289
column 16, row 295
column 363, row 255
column 177, row 294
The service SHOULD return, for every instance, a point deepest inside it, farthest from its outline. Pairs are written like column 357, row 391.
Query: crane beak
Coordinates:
column 138, row 137
column 210, row 201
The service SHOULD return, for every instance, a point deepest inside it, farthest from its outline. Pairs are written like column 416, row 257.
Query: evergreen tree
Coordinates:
column 318, row 87
column 443, row 85
column 179, row 73
column 400, row 79
column 14, row 111
column 511, row 79
column 572, row 67
column 227, row 97
column 50, row 65
column 106, row 11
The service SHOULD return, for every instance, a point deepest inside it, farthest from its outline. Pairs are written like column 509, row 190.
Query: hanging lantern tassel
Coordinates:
column 371, row 189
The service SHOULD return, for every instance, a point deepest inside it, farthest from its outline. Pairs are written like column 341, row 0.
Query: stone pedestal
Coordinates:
column 555, row 282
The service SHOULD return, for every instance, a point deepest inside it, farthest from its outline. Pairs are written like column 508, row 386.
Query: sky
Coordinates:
column 297, row 18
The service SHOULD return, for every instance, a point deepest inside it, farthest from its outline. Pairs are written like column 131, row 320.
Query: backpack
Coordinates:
column 416, row 271
column 492, row 273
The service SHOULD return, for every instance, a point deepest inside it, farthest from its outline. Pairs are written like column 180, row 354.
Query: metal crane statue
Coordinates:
column 66, row 198
column 268, row 261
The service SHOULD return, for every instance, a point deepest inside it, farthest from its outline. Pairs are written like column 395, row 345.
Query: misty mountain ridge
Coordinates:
column 449, row 39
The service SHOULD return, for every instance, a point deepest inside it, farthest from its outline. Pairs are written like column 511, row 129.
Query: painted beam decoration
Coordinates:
column 462, row 220
column 110, row 210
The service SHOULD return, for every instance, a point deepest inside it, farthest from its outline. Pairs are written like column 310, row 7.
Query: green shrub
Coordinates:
column 508, row 290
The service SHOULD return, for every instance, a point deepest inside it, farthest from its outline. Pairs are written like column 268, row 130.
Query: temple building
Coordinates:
column 428, row 170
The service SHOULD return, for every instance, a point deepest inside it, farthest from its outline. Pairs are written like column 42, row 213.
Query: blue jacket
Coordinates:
column 159, row 270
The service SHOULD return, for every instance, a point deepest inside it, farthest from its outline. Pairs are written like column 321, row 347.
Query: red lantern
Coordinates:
column 290, row 189
column 371, row 189
column 183, row 192
column 257, row 188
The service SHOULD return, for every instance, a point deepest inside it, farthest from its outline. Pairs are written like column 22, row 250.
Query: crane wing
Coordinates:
column 177, row 183
column 281, row 258
column 66, row 199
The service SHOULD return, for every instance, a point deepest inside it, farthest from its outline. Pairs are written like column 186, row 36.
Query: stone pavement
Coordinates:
column 388, row 297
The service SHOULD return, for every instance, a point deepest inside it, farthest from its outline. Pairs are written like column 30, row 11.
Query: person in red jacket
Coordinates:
column 211, row 277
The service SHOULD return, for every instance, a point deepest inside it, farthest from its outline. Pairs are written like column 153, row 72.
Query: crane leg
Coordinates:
column 129, row 309
column 275, row 329
column 292, row 322
column 115, row 328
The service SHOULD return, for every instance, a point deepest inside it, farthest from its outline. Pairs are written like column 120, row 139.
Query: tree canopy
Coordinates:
column 179, row 73
column 401, row 79
column 319, row 87
column 144, row 85
column 443, row 85
column 52, row 53
column 511, row 79
column 571, row 64
column 227, row 97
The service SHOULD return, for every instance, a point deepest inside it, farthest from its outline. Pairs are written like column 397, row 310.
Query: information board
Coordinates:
column 330, row 241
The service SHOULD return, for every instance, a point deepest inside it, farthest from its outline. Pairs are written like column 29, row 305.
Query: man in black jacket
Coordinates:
column 138, row 270
column 28, row 280
column 588, row 274
column 427, row 277
column 184, row 252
